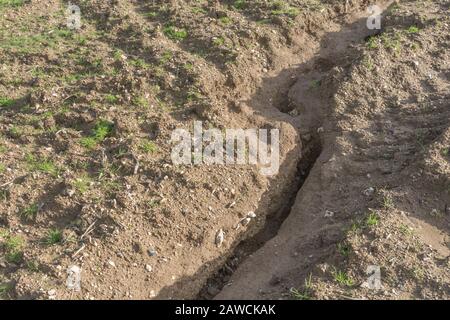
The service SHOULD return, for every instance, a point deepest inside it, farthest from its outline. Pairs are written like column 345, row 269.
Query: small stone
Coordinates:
column 324, row 267
column 369, row 191
column 73, row 281
column 52, row 294
column 152, row 293
column 152, row 252
column 251, row 215
column 148, row 268
column 69, row 192
column 111, row 263
column 220, row 237
column 329, row 214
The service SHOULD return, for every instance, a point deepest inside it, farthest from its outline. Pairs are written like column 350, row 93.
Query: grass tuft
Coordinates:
column 102, row 129
column 11, row 3
column 54, row 236
column 343, row 278
column 372, row 220
column 6, row 102
column 29, row 213
column 175, row 33
column 148, row 146
column 13, row 247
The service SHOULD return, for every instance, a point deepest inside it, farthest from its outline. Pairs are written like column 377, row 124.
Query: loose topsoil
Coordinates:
column 86, row 176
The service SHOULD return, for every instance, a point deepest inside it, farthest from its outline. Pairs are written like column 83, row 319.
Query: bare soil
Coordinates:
column 86, row 176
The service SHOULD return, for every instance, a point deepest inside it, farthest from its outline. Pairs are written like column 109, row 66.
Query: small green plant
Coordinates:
column 166, row 57
column 121, row 151
column 372, row 220
column 225, row 20
column 220, row 41
column 14, row 257
column 15, row 132
column 153, row 203
column 299, row 295
column 281, row 8
column 30, row 212
column 405, row 230
column 355, row 227
column 151, row 14
column 193, row 95
column 239, row 4
column 263, row 21
column 388, row 202
column 418, row 273
column 198, row 10
column 445, row 152
column 101, row 130
column 140, row 63
column 47, row 166
column 343, row 278
column 148, row 146
column 4, row 195
column 188, row 66
column 314, row 84
column 175, row 33
column 88, row 142
column 304, row 294
column 14, row 243
column 32, row 266
column 53, row 237
column 292, row 12
column 14, row 246
column 82, row 184
column 112, row 99
column 81, row 40
column 372, row 42
column 344, row 249
column 140, row 101
column 44, row 165
column 391, row 41
column 64, row 33
column 5, row 289
column 11, row 3
column 368, row 62
column 118, row 55
column 415, row 46
column 413, row 29
column 6, row 102
column 4, row 233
